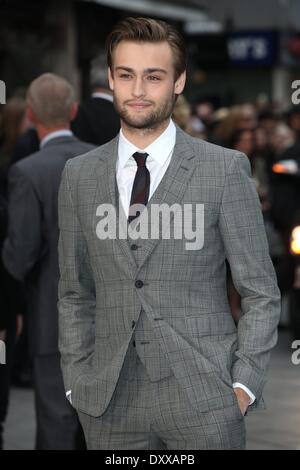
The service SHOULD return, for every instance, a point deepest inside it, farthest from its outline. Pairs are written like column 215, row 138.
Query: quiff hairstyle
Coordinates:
column 148, row 30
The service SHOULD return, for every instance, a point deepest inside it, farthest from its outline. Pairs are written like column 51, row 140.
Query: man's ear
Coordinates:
column 73, row 111
column 30, row 115
column 180, row 83
column 110, row 79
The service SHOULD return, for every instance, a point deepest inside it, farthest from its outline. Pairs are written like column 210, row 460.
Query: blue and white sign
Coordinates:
column 252, row 48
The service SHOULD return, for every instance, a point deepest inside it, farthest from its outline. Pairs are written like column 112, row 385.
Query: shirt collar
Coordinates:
column 54, row 135
column 159, row 150
column 105, row 96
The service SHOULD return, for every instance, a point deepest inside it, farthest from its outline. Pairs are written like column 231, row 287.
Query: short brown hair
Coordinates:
column 148, row 30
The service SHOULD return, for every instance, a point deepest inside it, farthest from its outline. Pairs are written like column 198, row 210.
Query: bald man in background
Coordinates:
column 30, row 251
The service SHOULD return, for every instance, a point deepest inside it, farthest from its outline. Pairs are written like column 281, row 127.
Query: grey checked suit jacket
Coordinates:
column 183, row 291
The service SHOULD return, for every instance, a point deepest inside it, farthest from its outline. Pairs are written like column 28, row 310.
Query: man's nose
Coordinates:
column 138, row 87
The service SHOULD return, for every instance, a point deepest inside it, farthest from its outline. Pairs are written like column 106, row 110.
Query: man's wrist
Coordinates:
column 251, row 396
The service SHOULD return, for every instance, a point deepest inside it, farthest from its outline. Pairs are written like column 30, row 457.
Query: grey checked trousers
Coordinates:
column 145, row 415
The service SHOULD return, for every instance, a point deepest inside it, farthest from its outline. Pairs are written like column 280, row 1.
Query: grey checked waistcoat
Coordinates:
column 145, row 340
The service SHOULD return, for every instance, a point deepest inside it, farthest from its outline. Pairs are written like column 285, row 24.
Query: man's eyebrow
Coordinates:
column 121, row 67
column 155, row 69
column 148, row 70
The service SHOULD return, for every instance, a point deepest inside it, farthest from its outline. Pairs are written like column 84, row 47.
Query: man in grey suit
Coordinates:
column 30, row 250
column 151, row 356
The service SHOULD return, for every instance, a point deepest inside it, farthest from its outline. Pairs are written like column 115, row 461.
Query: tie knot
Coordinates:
column 140, row 158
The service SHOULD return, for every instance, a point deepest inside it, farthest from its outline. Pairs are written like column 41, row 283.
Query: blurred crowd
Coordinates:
column 263, row 133
column 268, row 135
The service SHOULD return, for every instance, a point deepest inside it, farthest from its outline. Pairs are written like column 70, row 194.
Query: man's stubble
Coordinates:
column 151, row 120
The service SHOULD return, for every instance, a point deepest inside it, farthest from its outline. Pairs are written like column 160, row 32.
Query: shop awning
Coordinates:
column 191, row 14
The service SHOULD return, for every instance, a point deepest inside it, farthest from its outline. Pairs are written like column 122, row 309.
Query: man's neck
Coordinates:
column 43, row 132
column 142, row 138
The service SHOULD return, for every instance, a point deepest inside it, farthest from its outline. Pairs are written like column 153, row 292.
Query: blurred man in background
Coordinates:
column 97, row 121
column 30, row 250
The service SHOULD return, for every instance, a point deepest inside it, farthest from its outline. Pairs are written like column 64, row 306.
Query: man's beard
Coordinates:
column 150, row 120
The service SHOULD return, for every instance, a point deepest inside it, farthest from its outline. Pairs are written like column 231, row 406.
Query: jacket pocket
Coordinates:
column 211, row 324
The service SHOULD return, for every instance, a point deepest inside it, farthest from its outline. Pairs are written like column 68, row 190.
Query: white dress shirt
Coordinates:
column 158, row 160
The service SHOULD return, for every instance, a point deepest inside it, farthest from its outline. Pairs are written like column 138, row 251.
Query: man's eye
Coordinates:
column 152, row 78
column 126, row 76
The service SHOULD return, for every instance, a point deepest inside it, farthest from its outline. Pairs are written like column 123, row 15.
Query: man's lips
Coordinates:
column 139, row 105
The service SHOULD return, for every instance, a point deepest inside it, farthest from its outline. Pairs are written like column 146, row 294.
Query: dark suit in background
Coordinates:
column 97, row 121
column 27, row 144
column 30, row 254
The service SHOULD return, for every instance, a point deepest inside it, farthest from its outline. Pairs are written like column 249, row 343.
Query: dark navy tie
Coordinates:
column 141, row 185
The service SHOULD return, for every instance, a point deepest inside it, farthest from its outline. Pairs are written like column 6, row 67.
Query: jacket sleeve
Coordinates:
column 246, row 248
column 77, row 297
column 22, row 246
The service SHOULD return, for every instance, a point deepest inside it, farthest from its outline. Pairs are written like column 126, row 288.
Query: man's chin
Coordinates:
column 138, row 123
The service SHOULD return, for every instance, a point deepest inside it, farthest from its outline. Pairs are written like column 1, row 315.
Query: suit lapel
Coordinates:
column 107, row 190
column 170, row 190
column 172, row 186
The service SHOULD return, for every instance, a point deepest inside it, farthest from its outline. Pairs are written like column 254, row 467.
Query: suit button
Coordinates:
column 134, row 247
column 139, row 283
